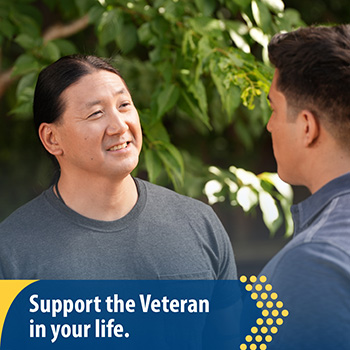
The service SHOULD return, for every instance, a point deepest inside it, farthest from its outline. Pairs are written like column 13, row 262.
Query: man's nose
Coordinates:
column 117, row 124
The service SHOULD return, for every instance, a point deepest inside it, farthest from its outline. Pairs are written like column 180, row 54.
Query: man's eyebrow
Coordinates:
column 122, row 91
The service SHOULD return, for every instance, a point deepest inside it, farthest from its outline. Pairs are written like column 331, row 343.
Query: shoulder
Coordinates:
column 305, row 266
column 164, row 198
column 19, row 219
column 324, row 244
column 166, row 206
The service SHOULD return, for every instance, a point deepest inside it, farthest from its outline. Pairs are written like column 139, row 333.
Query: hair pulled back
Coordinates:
column 53, row 80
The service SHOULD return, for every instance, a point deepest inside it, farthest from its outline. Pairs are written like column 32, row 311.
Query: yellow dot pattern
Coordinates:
column 258, row 338
column 254, row 296
column 272, row 313
column 263, row 279
column 269, row 304
column 268, row 287
column 265, row 313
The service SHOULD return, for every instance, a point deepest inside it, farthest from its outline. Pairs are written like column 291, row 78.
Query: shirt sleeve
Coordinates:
column 227, row 269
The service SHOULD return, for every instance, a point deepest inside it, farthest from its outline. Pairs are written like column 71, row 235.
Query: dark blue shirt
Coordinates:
column 311, row 274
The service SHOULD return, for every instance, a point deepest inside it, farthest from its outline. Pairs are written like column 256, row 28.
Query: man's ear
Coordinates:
column 48, row 137
column 311, row 127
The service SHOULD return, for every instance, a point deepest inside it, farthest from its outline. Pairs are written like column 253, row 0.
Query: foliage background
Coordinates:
column 199, row 77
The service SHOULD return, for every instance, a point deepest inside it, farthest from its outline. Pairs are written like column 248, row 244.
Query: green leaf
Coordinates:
column 153, row 164
column 26, row 24
column 261, row 15
column 28, row 42
column 231, row 96
column 167, row 99
column 242, row 3
column 144, row 33
column 237, row 31
column 207, row 26
column 204, row 48
column 271, row 215
column 28, row 80
column 289, row 19
column 95, row 14
column 206, row 7
column 65, row 47
column 173, row 11
column 175, row 153
column 289, row 224
column 173, row 162
column 84, row 5
column 67, row 8
column 276, row 6
column 127, row 38
column 110, row 25
column 198, row 90
column 247, row 198
column 242, row 132
column 25, row 64
column 24, row 104
column 157, row 132
column 284, row 195
column 189, row 105
column 259, row 36
column 6, row 28
column 50, row 51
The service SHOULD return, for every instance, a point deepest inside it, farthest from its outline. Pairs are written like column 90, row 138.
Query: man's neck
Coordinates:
column 105, row 200
column 327, row 167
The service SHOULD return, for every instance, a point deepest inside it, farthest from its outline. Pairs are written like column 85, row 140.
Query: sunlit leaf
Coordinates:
column 167, row 99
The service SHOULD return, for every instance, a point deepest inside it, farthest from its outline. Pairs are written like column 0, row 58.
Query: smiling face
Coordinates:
column 285, row 132
column 99, row 132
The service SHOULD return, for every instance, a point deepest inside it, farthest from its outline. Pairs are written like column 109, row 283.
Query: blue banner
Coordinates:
column 128, row 315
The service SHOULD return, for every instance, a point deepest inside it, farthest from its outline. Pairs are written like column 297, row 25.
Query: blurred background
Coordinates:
column 199, row 76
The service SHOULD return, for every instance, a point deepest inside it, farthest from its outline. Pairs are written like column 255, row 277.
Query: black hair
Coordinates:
column 314, row 73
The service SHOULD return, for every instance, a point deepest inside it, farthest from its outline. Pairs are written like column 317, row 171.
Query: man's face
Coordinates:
column 99, row 131
column 284, row 131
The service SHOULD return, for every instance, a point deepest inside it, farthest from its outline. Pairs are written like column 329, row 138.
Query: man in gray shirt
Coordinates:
column 97, row 221
column 310, row 128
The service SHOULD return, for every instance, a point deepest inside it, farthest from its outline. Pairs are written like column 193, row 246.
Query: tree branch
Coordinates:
column 59, row 31
column 56, row 31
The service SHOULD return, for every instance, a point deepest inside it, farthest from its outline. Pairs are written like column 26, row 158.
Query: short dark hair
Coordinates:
column 314, row 73
column 48, row 105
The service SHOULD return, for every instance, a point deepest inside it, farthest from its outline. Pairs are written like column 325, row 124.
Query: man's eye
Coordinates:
column 97, row 113
column 125, row 104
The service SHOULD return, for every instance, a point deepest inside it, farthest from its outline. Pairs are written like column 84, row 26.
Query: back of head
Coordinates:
column 314, row 73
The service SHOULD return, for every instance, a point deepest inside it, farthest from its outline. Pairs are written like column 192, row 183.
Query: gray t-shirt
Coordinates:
column 165, row 236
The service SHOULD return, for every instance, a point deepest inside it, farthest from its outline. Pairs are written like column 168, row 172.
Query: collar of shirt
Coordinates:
column 306, row 212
